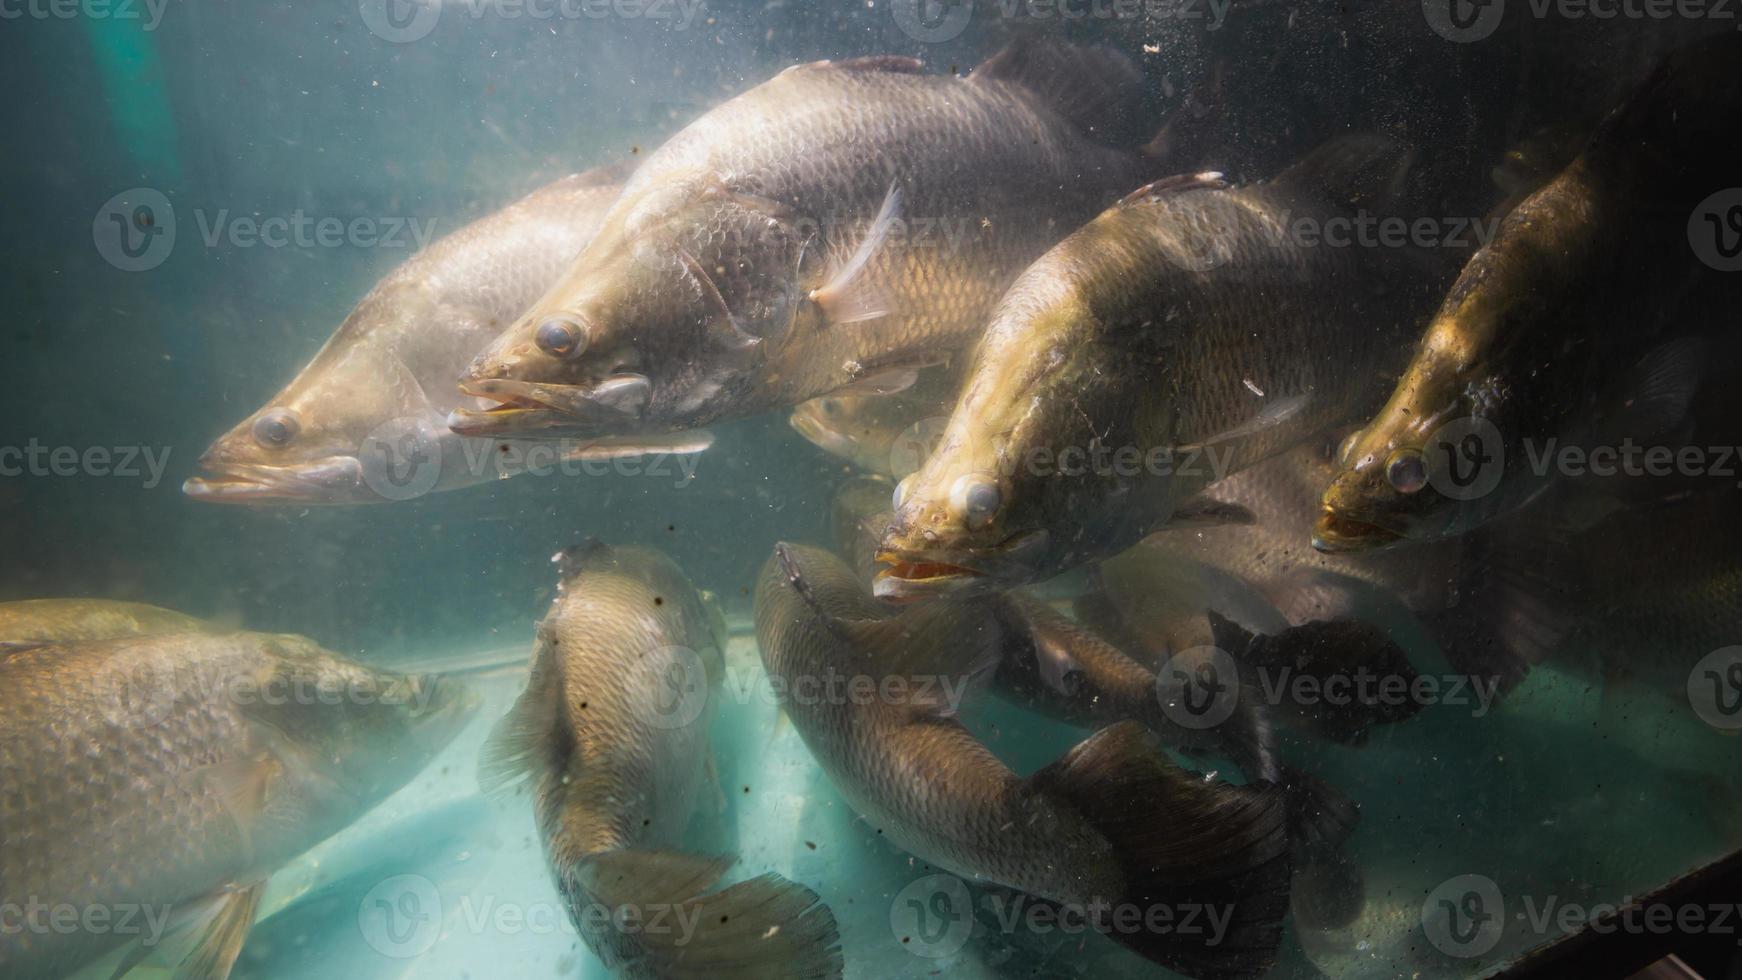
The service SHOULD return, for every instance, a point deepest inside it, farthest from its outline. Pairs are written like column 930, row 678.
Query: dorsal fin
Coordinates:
column 898, row 64
column 1094, row 88
column 1209, row 180
column 1355, row 172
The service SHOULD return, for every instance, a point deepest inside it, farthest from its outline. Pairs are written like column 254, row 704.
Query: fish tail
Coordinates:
column 765, row 928
column 1328, row 890
column 1185, row 844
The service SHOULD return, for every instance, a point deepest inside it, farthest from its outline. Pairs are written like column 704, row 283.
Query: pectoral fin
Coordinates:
column 850, row 295
column 202, row 940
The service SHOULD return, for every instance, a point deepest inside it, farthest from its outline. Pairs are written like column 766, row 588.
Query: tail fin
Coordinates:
column 1338, row 652
column 766, row 928
column 1183, row 842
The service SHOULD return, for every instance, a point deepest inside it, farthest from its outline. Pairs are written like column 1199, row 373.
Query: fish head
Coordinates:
column 1432, row 464
column 968, row 521
column 669, row 316
column 839, row 426
column 348, row 735
column 306, row 445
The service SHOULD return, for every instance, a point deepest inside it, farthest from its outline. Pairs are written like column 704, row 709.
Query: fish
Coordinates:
column 169, row 774
column 1583, row 280
column 1184, row 334
column 1112, row 824
column 38, row 622
column 858, row 513
column 365, row 420
column 886, row 435
column 611, row 734
column 835, row 229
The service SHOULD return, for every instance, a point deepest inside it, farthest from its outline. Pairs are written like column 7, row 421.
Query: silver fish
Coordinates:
column 835, row 228
column 168, row 775
column 612, row 734
column 364, row 422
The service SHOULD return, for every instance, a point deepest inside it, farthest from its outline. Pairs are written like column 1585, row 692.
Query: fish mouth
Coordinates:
column 918, row 576
column 820, row 434
column 331, row 480
column 531, row 410
column 1335, row 533
column 521, row 408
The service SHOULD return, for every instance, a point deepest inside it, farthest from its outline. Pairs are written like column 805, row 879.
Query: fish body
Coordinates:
column 364, row 419
column 837, row 227
column 1584, row 278
column 29, row 622
column 913, row 771
column 1183, row 335
column 612, row 735
column 172, row 773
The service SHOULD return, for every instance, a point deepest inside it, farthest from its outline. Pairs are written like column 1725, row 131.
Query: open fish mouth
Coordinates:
column 912, row 577
column 520, row 408
column 332, row 480
column 1336, row 533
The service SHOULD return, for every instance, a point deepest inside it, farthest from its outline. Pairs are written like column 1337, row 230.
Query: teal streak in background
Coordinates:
column 134, row 90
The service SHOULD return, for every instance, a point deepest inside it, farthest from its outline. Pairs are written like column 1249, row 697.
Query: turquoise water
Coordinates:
column 1572, row 789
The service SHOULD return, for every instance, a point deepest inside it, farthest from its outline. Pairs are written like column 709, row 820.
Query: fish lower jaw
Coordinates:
column 1335, row 533
column 911, row 581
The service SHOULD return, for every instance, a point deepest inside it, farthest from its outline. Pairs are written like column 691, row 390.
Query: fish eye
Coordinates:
column 1407, row 471
column 561, row 337
column 275, row 430
column 901, row 490
column 976, row 500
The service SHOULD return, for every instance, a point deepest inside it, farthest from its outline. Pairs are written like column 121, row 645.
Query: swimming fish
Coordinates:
column 170, row 774
column 612, row 735
column 834, row 229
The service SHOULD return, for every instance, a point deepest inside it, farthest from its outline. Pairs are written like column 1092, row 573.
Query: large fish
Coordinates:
column 1112, row 825
column 365, row 419
column 165, row 777
column 836, row 227
column 1186, row 333
column 31, row 622
column 1584, row 277
column 612, row 734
